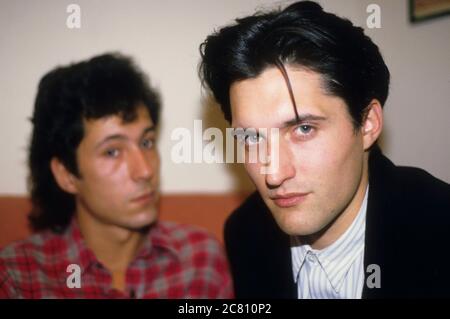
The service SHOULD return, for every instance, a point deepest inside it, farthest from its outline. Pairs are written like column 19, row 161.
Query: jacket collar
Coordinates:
column 378, row 219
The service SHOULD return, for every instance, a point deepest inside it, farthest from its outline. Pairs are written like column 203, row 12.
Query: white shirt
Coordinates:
column 336, row 271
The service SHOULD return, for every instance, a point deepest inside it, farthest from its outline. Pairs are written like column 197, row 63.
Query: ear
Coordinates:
column 66, row 180
column 372, row 124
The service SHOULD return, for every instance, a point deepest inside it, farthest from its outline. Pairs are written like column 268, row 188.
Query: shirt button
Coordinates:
column 311, row 258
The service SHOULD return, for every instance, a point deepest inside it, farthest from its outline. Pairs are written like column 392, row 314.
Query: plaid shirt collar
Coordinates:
column 79, row 253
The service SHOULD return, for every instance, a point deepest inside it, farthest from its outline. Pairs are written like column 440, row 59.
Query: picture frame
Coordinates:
column 421, row 10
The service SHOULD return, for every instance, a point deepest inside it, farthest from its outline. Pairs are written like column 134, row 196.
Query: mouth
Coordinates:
column 144, row 198
column 289, row 200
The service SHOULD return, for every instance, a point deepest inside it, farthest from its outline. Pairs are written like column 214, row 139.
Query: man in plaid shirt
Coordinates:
column 94, row 177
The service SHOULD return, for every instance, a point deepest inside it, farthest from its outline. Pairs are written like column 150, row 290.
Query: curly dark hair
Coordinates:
column 303, row 35
column 109, row 84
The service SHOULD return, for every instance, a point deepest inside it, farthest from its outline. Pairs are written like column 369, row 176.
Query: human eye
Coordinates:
column 111, row 152
column 304, row 129
column 251, row 139
column 147, row 143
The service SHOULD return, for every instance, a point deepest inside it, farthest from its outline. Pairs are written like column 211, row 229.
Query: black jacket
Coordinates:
column 407, row 235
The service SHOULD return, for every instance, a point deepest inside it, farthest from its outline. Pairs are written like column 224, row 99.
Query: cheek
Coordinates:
column 104, row 194
column 340, row 168
column 330, row 159
column 105, row 181
column 111, row 175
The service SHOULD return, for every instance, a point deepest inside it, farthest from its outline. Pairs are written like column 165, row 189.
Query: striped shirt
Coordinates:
column 335, row 272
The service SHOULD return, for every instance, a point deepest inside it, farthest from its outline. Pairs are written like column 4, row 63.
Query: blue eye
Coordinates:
column 304, row 129
column 252, row 139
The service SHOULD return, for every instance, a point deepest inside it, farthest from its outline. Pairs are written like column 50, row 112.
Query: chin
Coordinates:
column 139, row 225
column 297, row 230
column 295, row 223
column 142, row 220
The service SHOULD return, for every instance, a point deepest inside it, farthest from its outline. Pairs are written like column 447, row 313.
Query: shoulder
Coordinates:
column 409, row 184
column 182, row 234
column 201, row 259
column 418, row 190
column 20, row 261
column 190, row 241
column 415, row 202
column 33, row 248
column 418, row 181
column 424, row 201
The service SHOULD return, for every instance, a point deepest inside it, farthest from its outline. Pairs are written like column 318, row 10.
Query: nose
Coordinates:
column 140, row 165
column 282, row 166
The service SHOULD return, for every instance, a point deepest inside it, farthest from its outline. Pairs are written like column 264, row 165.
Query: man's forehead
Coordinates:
column 265, row 101
column 267, row 96
column 125, row 116
column 117, row 123
column 280, row 114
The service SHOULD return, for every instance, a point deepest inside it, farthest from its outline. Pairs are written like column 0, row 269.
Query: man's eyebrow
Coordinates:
column 149, row 129
column 123, row 137
column 303, row 118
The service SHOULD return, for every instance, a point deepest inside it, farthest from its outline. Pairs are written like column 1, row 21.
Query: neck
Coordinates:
column 342, row 222
column 114, row 246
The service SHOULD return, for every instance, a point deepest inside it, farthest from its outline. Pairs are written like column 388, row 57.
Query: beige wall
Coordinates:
column 163, row 37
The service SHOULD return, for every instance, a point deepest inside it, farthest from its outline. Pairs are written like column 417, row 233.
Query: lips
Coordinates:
column 289, row 200
column 144, row 198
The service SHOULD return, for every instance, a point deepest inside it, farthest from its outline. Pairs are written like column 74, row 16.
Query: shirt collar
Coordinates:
column 160, row 238
column 337, row 258
column 79, row 253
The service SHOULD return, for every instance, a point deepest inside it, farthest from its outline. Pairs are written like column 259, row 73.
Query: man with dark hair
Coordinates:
column 334, row 218
column 94, row 177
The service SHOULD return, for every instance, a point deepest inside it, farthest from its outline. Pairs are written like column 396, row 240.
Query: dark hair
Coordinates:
column 302, row 35
column 105, row 85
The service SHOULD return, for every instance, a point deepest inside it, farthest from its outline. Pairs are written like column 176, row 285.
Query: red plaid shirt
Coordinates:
column 177, row 261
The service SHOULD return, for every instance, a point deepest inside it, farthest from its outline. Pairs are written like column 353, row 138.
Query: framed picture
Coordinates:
column 420, row 10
